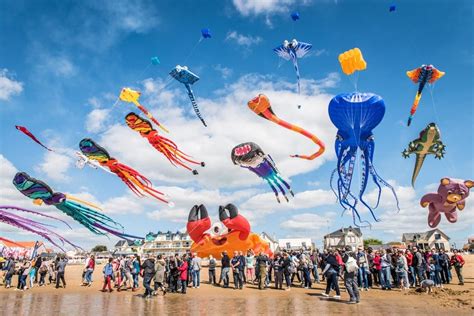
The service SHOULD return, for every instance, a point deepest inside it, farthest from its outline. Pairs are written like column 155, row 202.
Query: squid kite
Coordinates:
column 132, row 96
column 160, row 143
column 186, row 77
column 251, row 156
column 356, row 115
column 292, row 51
column 83, row 212
column 422, row 75
column 429, row 142
column 32, row 226
column 25, row 131
column 260, row 105
column 135, row 181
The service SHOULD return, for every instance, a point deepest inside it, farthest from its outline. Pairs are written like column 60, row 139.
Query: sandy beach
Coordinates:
column 210, row 300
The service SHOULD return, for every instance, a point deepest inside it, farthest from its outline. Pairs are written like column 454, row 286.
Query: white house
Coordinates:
column 271, row 241
column 295, row 244
column 166, row 243
column 434, row 238
column 344, row 237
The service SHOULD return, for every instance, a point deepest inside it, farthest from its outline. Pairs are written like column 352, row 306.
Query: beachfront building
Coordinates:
column 344, row 237
column 434, row 238
column 166, row 243
column 273, row 243
column 126, row 247
column 295, row 244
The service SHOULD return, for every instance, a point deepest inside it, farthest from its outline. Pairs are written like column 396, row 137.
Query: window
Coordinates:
column 437, row 236
column 288, row 245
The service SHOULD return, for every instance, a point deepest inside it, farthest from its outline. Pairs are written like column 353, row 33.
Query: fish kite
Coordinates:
column 292, row 51
column 32, row 226
column 186, row 77
column 260, row 105
column 132, row 96
column 429, row 142
column 160, row 143
column 352, row 61
column 355, row 115
column 83, row 212
column 135, row 181
column 25, row 131
column 251, row 156
column 422, row 75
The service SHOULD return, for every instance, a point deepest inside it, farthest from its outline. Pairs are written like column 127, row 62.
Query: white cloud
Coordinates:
column 224, row 71
column 8, row 86
column 55, row 166
column 308, row 222
column 252, row 7
column 97, row 120
column 243, row 40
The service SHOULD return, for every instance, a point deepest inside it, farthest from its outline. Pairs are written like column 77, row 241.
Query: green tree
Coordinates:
column 99, row 248
column 372, row 241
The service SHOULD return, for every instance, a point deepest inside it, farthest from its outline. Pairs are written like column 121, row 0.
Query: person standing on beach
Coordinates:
column 444, row 262
column 89, row 270
column 262, row 261
column 9, row 267
column 108, row 272
column 362, row 262
column 43, row 270
column 32, row 273
column 286, row 267
column 418, row 263
column 38, row 262
column 331, row 273
column 135, row 271
column 457, row 261
column 61, row 270
column 278, row 268
column 183, row 277
column 225, row 269
column 160, row 274
column 196, row 270
column 235, row 263
column 351, row 270
column 250, row 267
column 401, row 268
column 386, row 270
column 242, row 265
column 148, row 268
column 212, row 270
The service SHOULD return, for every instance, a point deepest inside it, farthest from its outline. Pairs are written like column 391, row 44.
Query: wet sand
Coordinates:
column 210, row 300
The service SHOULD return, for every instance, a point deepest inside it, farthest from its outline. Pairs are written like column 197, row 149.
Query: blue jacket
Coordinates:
column 108, row 270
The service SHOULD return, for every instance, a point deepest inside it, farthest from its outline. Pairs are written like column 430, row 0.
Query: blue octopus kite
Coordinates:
column 186, row 77
column 292, row 51
column 251, row 156
column 355, row 115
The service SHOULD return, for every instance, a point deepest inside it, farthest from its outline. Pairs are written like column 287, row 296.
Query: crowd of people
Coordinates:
column 33, row 272
column 359, row 270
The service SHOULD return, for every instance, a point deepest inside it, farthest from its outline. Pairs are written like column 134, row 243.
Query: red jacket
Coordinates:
column 409, row 257
column 184, row 271
column 457, row 258
column 377, row 263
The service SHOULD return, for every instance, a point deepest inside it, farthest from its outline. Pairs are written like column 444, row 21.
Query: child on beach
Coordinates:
column 108, row 272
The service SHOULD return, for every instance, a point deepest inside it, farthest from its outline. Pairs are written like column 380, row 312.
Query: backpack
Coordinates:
column 351, row 265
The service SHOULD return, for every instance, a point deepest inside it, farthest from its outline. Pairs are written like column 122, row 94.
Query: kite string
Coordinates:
column 433, row 104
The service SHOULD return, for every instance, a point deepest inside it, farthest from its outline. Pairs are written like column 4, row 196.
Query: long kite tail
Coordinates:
column 9, row 207
column 148, row 114
column 136, row 182
column 297, row 70
column 25, row 131
column 418, row 164
column 268, row 114
column 414, row 107
column 194, row 103
column 33, row 227
column 116, row 233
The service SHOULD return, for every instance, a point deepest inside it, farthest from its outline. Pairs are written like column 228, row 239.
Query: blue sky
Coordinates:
column 63, row 64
